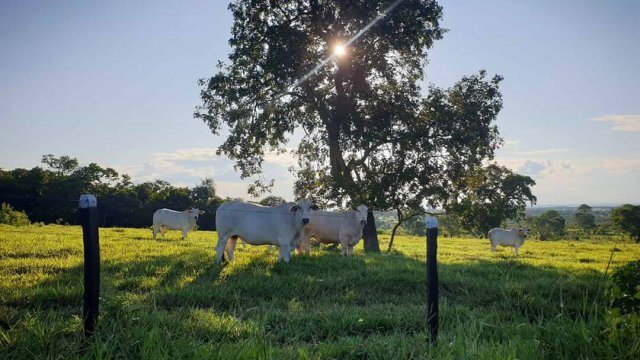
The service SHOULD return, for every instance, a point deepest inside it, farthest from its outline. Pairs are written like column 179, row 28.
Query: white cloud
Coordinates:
column 202, row 154
column 577, row 166
column 604, row 180
column 533, row 153
column 533, row 168
column 187, row 167
column 629, row 123
column 510, row 143
column 284, row 159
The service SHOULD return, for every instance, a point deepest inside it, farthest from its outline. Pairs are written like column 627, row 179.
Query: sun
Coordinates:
column 339, row 50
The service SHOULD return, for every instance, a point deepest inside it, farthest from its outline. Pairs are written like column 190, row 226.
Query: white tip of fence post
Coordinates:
column 88, row 201
column 432, row 221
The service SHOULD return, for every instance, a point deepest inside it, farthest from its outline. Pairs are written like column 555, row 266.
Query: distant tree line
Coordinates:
column 545, row 225
column 493, row 197
column 49, row 194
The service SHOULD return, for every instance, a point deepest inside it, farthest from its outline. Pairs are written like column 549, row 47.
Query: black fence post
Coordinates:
column 432, row 277
column 88, row 215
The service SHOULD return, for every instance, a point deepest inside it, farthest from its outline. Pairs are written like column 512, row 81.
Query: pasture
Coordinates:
column 167, row 299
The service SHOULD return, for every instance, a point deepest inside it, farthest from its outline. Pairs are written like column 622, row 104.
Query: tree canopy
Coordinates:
column 550, row 224
column 585, row 218
column 627, row 219
column 272, row 200
column 489, row 196
column 50, row 194
column 369, row 134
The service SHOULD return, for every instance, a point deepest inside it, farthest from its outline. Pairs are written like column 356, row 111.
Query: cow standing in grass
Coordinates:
column 344, row 228
column 514, row 238
column 259, row 225
column 164, row 219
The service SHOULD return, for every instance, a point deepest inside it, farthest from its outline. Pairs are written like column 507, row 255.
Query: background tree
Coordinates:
column 272, row 201
column 62, row 165
column 202, row 194
column 50, row 194
column 585, row 218
column 369, row 135
column 550, row 224
column 627, row 219
column 489, row 196
column 450, row 224
column 404, row 216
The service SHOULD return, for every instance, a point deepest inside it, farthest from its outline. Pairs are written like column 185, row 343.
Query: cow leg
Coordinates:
column 285, row 253
column 231, row 247
column 162, row 231
column 184, row 234
column 300, row 247
column 344, row 246
column 516, row 249
column 350, row 250
column 222, row 243
column 305, row 246
column 155, row 231
column 493, row 247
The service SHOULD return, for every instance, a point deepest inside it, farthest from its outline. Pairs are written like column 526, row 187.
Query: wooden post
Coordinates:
column 88, row 215
column 432, row 277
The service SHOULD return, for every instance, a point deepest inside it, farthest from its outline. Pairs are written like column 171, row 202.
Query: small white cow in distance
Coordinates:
column 260, row 225
column 513, row 237
column 164, row 219
column 344, row 228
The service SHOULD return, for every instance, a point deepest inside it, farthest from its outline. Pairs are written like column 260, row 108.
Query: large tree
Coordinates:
column 627, row 219
column 584, row 217
column 490, row 195
column 550, row 224
column 368, row 134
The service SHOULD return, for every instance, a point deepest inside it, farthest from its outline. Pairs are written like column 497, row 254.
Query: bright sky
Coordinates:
column 114, row 82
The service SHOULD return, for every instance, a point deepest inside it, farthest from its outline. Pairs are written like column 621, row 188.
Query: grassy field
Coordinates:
column 167, row 299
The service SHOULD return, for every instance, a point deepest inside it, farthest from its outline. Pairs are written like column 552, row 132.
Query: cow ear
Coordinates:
column 314, row 207
column 294, row 208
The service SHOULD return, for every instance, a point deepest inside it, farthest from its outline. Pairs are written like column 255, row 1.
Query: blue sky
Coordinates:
column 115, row 83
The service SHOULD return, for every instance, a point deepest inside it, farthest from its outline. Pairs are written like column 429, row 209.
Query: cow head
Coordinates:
column 361, row 214
column 302, row 209
column 193, row 215
column 523, row 232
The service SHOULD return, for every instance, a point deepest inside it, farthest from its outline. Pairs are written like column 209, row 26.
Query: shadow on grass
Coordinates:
column 322, row 280
column 322, row 298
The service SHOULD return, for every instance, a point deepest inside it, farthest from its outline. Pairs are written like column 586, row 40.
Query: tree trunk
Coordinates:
column 370, row 235
column 395, row 228
column 401, row 219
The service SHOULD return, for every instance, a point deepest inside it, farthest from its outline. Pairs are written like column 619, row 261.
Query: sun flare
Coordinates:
column 340, row 50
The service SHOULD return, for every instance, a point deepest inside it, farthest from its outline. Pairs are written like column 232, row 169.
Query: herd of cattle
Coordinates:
column 290, row 226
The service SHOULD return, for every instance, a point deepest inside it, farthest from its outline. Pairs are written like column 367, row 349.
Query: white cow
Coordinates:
column 514, row 238
column 344, row 228
column 164, row 219
column 260, row 225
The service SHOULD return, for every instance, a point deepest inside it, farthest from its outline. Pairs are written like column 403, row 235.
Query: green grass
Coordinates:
column 167, row 299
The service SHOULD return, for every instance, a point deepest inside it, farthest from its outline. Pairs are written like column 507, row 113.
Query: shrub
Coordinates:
column 625, row 290
column 624, row 316
column 13, row 217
